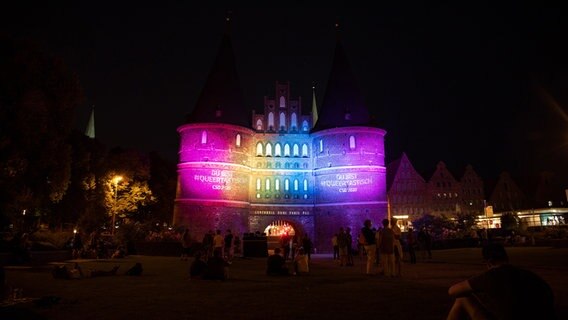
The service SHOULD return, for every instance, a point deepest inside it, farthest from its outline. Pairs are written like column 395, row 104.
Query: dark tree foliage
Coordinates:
column 82, row 204
column 435, row 224
column 163, row 181
column 38, row 96
column 509, row 221
column 465, row 221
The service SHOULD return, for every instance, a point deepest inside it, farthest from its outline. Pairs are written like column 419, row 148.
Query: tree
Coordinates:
column 509, row 221
column 465, row 221
column 130, row 194
column 437, row 225
column 38, row 96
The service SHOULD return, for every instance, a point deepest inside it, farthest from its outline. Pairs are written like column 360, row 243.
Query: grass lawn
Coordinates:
column 329, row 292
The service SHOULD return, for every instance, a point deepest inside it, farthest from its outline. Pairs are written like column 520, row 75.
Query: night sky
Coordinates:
column 475, row 84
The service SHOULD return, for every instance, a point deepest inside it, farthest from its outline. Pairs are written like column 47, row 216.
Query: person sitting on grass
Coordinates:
column 198, row 267
column 76, row 272
column 217, row 267
column 276, row 264
column 501, row 292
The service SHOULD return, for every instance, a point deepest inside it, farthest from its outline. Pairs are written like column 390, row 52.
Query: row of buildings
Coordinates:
column 410, row 196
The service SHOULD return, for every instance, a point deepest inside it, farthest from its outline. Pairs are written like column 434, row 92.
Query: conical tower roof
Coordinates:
column 343, row 104
column 90, row 130
column 221, row 99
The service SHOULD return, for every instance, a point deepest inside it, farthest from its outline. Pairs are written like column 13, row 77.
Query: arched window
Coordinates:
column 203, row 137
column 277, row 150
column 259, row 149
column 321, row 145
column 296, row 150
column 305, row 184
column 282, row 121
column 352, row 142
column 286, row 150
column 296, row 183
column 238, row 140
column 287, row 184
column 269, row 150
column 267, row 184
column 258, row 184
column 259, row 125
column 282, row 102
column 305, row 125
column 294, row 121
column 277, row 184
column 304, row 150
column 270, row 121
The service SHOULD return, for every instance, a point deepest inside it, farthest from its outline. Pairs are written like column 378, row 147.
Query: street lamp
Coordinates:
column 116, row 180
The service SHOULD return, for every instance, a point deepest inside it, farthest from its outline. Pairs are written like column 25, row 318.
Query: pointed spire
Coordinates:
column 221, row 99
column 343, row 104
column 90, row 131
column 314, row 107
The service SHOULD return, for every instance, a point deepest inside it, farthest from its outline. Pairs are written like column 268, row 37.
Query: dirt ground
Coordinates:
column 328, row 292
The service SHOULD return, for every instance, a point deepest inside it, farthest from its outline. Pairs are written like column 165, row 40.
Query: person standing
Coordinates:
column 307, row 246
column 369, row 244
column 185, row 244
column 335, row 247
column 397, row 247
column 218, row 243
column 342, row 243
column 425, row 241
column 77, row 245
column 411, row 242
column 385, row 242
column 207, row 243
column 228, row 240
column 349, row 247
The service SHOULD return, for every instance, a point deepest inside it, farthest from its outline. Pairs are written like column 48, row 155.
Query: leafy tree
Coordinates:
column 38, row 96
column 130, row 195
column 509, row 221
column 437, row 225
column 465, row 221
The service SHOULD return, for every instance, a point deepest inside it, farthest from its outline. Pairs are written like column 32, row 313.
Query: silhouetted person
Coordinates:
column 217, row 267
column 198, row 267
column 502, row 292
column 136, row 270
column 276, row 264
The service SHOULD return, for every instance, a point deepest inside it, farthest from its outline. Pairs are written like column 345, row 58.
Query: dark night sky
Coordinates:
column 465, row 84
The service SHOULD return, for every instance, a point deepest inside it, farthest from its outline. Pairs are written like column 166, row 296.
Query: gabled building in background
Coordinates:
column 408, row 190
column 410, row 196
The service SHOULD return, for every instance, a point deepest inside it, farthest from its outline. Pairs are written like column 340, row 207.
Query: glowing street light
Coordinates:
column 116, row 180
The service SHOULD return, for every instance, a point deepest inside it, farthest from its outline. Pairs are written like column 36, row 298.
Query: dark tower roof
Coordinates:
column 343, row 104
column 221, row 99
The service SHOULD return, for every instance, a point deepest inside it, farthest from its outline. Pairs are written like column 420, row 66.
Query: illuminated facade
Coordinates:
column 281, row 167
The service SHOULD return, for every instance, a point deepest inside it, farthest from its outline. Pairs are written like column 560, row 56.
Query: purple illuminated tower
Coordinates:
column 286, row 172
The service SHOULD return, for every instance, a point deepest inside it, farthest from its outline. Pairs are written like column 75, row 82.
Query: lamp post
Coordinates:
column 116, row 180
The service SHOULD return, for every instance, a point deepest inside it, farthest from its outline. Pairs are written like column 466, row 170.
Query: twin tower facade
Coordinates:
column 280, row 170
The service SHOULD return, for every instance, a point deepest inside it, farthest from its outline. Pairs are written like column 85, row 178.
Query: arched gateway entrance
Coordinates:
column 281, row 234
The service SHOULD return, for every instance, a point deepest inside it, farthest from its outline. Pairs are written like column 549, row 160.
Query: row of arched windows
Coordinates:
column 204, row 138
column 352, row 144
column 266, row 150
column 277, row 184
column 282, row 122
